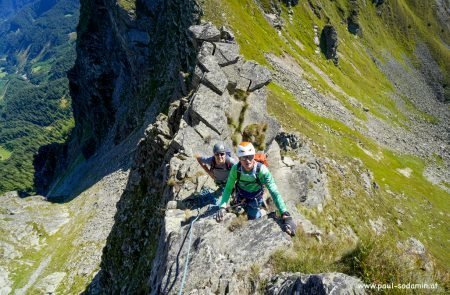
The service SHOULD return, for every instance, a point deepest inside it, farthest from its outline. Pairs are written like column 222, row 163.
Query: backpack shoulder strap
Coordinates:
column 238, row 171
column 213, row 163
column 228, row 164
column 258, row 169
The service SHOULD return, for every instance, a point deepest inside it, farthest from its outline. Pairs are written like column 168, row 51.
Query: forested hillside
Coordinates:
column 9, row 7
column 37, row 47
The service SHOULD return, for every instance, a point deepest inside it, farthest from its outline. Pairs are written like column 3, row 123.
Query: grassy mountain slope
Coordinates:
column 409, row 205
column 37, row 47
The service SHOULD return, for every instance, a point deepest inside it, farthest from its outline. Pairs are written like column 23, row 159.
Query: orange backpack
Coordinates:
column 262, row 158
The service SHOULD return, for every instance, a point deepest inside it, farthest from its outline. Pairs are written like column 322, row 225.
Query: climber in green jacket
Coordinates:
column 248, row 177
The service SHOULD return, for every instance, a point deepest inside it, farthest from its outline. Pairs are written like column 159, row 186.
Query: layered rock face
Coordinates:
column 151, row 248
column 124, row 59
column 127, row 69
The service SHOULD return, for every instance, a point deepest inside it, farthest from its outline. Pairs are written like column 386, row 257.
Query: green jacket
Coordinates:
column 248, row 183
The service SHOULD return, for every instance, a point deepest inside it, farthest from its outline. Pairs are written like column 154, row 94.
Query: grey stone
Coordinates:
column 329, row 41
column 206, row 49
column 288, row 161
column 226, row 53
column 205, row 32
column 209, row 107
column 8, row 251
column 324, row 283
column 226, row 254
column 209, row 63
column 257, row 74
column 205, row 132
column 197, row 77
column 243, row 84
column 217, row 81
column 171, row 205
column 232, row 73
column 274, row 20
column 414, row 246
column 214, row 77
column 288, row 141
column 186, row 138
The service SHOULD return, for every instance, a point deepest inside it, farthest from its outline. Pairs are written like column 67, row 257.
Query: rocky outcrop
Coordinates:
column 353, row 25
column 193, row 240
column 122, row 77
column 329, row 283
column 329, row 43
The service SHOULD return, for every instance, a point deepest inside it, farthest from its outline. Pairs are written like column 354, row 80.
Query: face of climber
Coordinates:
column 220, row 158
column 247, row 162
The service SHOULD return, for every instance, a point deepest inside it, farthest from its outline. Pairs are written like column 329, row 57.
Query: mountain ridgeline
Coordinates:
column 348, row 98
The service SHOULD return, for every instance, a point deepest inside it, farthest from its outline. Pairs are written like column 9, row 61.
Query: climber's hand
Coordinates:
column 220, row 214
column 289, row 225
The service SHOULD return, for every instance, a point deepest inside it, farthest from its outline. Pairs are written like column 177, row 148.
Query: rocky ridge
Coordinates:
column 230, row 249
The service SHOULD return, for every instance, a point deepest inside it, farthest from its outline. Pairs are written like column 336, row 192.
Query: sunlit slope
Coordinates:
column 408, row 204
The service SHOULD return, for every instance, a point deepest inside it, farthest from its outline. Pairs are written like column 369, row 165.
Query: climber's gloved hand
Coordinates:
column 220, row 214
column 289, row 225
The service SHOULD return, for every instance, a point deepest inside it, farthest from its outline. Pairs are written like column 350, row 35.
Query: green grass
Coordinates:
column 4, row 154
column 64, row 247
column 128, row 5
column 2, row 73
column 425, row 204
column 357, row 75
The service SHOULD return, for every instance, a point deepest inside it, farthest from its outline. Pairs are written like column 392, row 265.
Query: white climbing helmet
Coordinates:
column 245, row 148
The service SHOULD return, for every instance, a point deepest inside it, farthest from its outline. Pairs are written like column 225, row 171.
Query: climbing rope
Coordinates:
column 205, row 192
column 191, row 229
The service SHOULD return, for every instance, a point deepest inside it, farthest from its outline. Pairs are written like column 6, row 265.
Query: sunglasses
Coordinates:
column 220, row 154
column 248, row 158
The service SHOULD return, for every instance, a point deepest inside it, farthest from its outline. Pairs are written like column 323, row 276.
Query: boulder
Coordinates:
column 205, row 32
column 197, row 77
column 208, row 106
column 257, row 74
column 214, row 77
column 186, row 139
column 288, row 141
column 226, row 53
column 329, row 43
column 227, row 256
column 324, row 283
column 206, row 49
column 232, row 73
column 414, row 246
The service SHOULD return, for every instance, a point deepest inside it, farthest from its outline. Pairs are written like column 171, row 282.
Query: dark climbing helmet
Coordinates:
column 219, row 148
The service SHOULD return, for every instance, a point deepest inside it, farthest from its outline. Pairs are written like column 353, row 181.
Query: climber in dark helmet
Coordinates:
column 219, row 165
column 249, row 177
